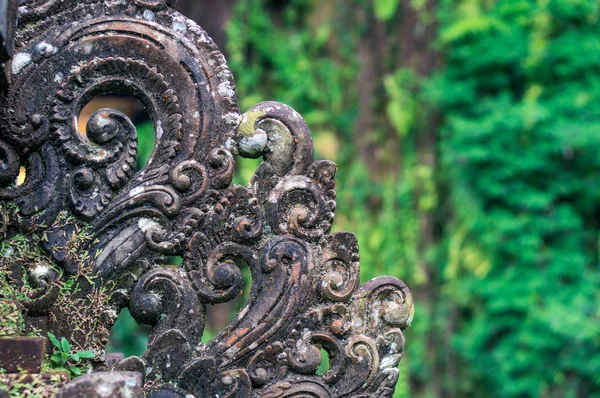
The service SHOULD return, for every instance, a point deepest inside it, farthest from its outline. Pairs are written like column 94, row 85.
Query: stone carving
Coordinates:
column 85, row 235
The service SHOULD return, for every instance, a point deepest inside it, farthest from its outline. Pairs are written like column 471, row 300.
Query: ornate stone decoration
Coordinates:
column 84, row 235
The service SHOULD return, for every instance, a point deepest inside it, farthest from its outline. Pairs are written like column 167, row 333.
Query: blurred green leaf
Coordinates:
column 65, row 345
column 385, row 9
column 54, row 340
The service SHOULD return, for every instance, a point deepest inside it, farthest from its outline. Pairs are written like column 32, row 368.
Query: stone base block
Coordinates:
column 22, row 354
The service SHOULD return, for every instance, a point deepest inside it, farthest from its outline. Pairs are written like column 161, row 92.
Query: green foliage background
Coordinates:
column 512, row 277
column 498, row 235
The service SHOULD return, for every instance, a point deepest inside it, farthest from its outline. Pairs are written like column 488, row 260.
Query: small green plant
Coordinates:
column 63, row 358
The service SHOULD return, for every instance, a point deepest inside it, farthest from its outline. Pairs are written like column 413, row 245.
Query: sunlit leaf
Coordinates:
column 54, row 340
column 86, row 354
column 65, row 345
column 385, row 9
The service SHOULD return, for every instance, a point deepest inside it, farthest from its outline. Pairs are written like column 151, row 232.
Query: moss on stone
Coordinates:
column 32, row 385
column 11, row 321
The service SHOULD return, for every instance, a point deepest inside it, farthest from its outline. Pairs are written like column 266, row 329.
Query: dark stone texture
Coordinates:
column 113, row 358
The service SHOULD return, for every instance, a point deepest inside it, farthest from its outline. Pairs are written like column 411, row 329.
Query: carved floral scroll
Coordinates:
column 85, row 235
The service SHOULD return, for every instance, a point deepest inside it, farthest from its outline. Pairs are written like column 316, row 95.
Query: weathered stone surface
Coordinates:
column 32, row 385
column 85, row 234
column 113, row 358
column 104, row 385
column 19, row 354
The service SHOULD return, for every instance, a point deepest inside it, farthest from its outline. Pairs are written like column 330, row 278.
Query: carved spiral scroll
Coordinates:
column 162, row 299
column 280, row 134
column 219, row 279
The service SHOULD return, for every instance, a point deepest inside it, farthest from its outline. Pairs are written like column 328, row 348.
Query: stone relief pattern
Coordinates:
column 85, row 235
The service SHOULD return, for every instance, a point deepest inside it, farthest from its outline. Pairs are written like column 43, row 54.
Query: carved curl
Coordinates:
column 219, row 279
column 162, row 298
